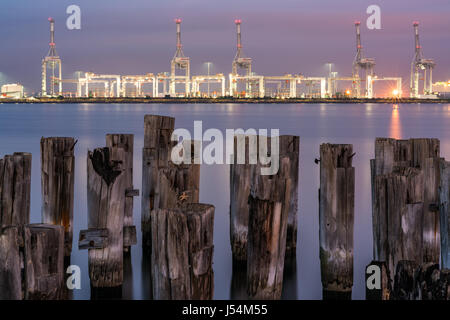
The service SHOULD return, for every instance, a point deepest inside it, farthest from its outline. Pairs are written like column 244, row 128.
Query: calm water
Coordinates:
column 22, row 126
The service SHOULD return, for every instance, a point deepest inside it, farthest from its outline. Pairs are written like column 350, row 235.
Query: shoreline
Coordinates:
column 223, row 100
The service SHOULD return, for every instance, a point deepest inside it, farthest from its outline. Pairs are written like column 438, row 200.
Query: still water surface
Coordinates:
column 22, row 126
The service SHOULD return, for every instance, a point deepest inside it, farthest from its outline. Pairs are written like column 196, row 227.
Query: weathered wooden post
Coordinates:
column 269, row 203
column 336, row 219
column 243, row 174
column 106, row 187
column 57, row 185
column 43, row 262
column 444, row 201
column 163, row 182
column 126, row 142
column 182, row 252
column 15, row 186
column 405, row 201
column 378, row 281
column 404, row 280
column 10, row 269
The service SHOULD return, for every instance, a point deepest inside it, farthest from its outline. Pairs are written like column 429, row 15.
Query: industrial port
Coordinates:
column 242, row 83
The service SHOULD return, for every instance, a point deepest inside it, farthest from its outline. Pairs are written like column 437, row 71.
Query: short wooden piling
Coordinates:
column 164, row 183
column 242, row 175
column 336, row 219
column 444, row 205
column 57, row 185
column 182, row 252
column 15, row 186
column 404, row 280
column 126, row 142
column 405, row 191
column 106, row 187
column 43, row 262
column 269, row 204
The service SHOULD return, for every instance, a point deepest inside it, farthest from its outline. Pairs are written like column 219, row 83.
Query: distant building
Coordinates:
column 442, row 89
column 12, row 91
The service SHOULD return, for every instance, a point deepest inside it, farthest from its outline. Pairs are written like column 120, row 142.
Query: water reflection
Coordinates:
column 395, row 130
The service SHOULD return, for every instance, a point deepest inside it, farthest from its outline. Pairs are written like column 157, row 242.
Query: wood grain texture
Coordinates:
column 43, row 262
column 106, row 208
column 336, row 218
column 126, row 143
column 163, row 182
column 15, row 186
column 57, row 185
column 242, row 175
column 405, row 201
column 269, row 204
column 10, row 264
column 182, row 252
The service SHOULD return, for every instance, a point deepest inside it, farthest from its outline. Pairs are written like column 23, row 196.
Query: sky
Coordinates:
column 282, row 36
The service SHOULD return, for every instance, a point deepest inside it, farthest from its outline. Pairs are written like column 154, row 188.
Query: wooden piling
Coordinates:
column 126, row 142
column 269, row 204
column 405, row 201
column 182, row 252
column 444, row 205
column 336, row 219
column 106, row 187
column 10, row 264
column 57, row 185
column 242, row 175
column 15, row 186
column 43, row 262
column 163, row 182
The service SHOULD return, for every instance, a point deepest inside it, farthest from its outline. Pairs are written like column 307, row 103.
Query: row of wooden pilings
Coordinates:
column 410, row 192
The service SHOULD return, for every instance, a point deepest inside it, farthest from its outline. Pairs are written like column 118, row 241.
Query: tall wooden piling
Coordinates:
column 405, row 201
column 269, row 204
column 57, row 185
column 15, row 186
column 126, row 142
column 106, row 187
column 242, row 175
column 336, row 219
column 182, row 252
column 444, row 205
column 163, row 182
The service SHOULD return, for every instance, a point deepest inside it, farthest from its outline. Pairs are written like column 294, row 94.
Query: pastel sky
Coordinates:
column 282, row 36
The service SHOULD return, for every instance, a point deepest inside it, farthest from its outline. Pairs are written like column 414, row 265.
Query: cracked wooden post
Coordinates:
column 269, row 204
column 444, row 203
column 242, row 174
column 57, row 185
column 126, row 143
column 43, row 262
column 336, row 219
column 15, row 186
column 404, row 280
column 106, row 187
column 405, row 190
column 164, row 182
column 182, row 252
